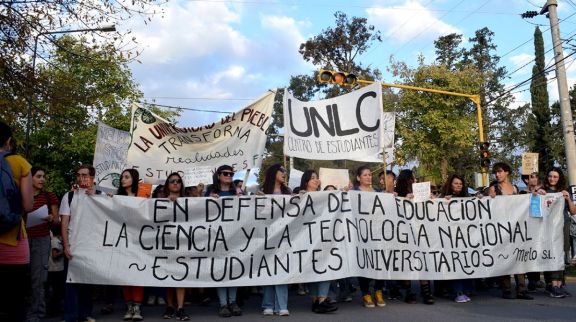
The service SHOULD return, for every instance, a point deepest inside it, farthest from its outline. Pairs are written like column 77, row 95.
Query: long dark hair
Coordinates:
column 561, row 185
column 167, row 184
column 5, row 133
column 404, row 182
column 216, row 187
column 306, row 176
column 135, row 179
column 359, row 171
column 447, row 189
column 270, row 181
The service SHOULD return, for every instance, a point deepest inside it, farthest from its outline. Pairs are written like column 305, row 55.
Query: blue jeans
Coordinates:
column 459, row 286
column 226, row 295
column 319, row 289
column 275, row 297
column 77, row 300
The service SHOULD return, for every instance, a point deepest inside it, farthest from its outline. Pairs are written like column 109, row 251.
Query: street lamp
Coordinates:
column 109, row 28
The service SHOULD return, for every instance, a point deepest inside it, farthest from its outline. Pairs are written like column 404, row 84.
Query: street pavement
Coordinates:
column 485, row 306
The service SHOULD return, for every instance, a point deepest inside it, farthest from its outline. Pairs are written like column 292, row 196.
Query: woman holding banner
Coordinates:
column 275, row 297
column 319, row 290
column 223, row 186
column 174, row 189
column 456, row 187
column 403, row 188
column 133, row 295
column 556, row 182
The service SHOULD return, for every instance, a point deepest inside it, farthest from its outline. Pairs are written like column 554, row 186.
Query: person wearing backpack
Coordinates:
column 15, row 200
column 78, row 297
column 45, row 205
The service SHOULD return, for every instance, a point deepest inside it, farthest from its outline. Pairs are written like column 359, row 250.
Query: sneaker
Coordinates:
column 235, row 309
column 224, row 311
column 129, row 313
column 151, row 300
column 89, row 319
column 267, row 312
column 540, row 284
column 461, row 298
column 168, row 313
column 565, row 291
column 524, row 296
column 507, row 295
column 331, row 300
column 556, row 292
column 346, row 299
column 136, row 313
column 181, row 315
column 394, row 294
column 160, row 300
column 107, row 309
column 325, row 307
column 367, row 300
column 379, row 298
column 284, row 313
column 410, row 298
column 531, row 287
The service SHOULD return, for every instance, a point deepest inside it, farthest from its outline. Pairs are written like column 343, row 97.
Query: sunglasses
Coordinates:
column 174, row 181
column 227, row 174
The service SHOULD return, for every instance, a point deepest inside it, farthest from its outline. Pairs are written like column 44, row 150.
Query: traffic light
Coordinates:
column 529, row 14
column 485, row 154
column 338, row 78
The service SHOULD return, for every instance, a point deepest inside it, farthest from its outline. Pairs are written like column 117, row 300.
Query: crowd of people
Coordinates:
column 34, row 258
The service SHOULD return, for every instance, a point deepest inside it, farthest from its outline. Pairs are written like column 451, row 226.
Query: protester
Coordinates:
column 46, row 205
column 555, row 182
column 318, row 290
column 503, row 187
column 133, row 295
column 78, row 297
column 275, row 297
column 174, row 189
column 363, row 182
column 14, row 247
column 56, row 274
column 223, row 186
column 156, row 294
column 387, row 180
column 403, row 188
column 456, row 187
column 532, row 185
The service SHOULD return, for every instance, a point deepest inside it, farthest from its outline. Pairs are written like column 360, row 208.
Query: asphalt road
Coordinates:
column 485, row 306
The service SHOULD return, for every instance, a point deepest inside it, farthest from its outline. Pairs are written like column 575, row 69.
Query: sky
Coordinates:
column 217, row 55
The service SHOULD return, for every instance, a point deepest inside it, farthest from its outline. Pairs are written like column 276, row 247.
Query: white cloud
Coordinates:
column 192, row 29
column 407, row 21
column 522, row 63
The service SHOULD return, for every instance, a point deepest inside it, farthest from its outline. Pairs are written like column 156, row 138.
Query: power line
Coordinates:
column 187, row 108
column 199, row 98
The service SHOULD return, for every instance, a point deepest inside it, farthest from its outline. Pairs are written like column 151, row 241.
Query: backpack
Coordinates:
column 10, row 197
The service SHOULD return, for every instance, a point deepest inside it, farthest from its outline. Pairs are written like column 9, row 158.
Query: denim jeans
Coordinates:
column 77, row 300
column 39, row 252
column 319, row 289
column 275, row 297
column 226, row 295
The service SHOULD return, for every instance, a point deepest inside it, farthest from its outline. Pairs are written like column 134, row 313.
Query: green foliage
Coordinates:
column 539, row 128
column 437, row 130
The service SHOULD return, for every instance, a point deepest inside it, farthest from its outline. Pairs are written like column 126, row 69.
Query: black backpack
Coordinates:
column 10, row 197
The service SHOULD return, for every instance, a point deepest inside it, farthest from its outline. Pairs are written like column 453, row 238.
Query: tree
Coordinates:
column 335, row 48
column 28, row 23
column 85, row 83
column 448, row 52
column 538, row 127
column 437, row 130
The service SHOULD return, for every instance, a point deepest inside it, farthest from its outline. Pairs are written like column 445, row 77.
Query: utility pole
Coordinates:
column 565, row 111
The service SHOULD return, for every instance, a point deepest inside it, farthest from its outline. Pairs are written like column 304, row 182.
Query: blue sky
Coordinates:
column 214, row 55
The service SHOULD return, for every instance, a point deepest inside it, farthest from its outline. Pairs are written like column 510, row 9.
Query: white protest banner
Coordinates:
column 319, row 236
column 110, row 156
column 197, row 175
column 295, row 178
column 529, row 163
column 421, row 191
column 159, row 147
column 350, row 126
column 339, row 178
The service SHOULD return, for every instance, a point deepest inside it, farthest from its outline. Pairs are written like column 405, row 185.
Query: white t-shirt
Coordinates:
column 56, row 265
